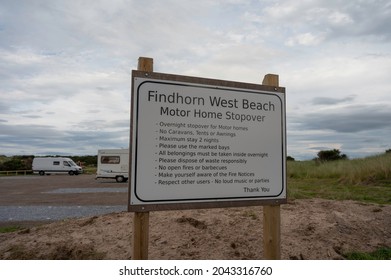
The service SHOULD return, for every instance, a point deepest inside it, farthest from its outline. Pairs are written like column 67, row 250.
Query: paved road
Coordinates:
column 56, row 197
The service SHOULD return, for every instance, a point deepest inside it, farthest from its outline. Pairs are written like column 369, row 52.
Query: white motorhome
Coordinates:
column 114, row 164
column 55, row 165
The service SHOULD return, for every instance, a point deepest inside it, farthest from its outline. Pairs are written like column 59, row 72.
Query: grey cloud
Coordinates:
column 104, row 124
column 349, row 119
column 94, row 111
column 28, row 130
column 59, row 50
column 357, row 130
column 331, row 101
column 370, row 19
column 334, row 19
column 4, row 108
column 321, row 148
column 32, row 116
column 39, row 139
column 305, row 145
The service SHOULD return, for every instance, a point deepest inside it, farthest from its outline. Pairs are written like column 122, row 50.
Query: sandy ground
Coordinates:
column 311, row 229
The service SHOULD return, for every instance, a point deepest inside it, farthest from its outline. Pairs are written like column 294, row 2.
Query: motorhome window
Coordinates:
column 66, row 163
column 110, row 159
column 72, row 163
column 56, row 163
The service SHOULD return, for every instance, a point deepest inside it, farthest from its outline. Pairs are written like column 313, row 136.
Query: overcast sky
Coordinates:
column 65, row 67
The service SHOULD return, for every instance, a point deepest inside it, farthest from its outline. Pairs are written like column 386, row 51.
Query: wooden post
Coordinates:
column 271, row 214
column 145, row 64
column 140, row 234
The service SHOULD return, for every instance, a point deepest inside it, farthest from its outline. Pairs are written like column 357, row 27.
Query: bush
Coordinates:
column 16, row 163
column 329, row 155
column 289, row 158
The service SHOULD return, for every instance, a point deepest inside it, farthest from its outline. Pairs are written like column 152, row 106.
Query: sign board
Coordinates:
column 199, row 143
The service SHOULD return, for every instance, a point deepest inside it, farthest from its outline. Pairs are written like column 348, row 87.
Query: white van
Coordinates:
column 55, row 165
column 114, row 164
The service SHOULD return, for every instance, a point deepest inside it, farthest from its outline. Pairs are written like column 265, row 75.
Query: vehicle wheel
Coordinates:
column 71, row 173
column 41, row 173
column 120, row 179
column 77, row 173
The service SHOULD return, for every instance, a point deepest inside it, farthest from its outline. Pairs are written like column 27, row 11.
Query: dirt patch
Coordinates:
column 311, row 229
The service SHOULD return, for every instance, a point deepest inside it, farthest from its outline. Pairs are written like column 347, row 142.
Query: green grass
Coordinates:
column 356, row 171
column 332, row 189
column 365, row 180
column 10, row 229
column 379, row 254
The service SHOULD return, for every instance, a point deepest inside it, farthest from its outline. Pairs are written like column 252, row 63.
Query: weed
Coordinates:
column 251, row 214
column 10, row 229
column 379, row 254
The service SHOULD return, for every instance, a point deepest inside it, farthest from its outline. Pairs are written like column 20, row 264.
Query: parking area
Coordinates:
column 61, row 190
column 56, row 197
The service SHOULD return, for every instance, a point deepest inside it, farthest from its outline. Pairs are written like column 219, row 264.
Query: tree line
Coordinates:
column 330, row 155
column 325, row 155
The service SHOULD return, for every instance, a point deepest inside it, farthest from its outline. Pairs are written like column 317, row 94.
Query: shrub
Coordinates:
column 328, row 155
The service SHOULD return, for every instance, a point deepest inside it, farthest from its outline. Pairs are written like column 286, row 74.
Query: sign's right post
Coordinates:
column 271, row 213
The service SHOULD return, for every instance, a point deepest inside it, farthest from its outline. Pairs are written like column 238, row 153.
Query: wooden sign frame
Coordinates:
column 161, row 206
column 271, row 213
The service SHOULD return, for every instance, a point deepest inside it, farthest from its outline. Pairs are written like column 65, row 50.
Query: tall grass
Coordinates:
column 365, row 180
column 370, row 170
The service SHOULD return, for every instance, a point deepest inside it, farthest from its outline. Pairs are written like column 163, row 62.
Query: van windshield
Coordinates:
column 72, row 163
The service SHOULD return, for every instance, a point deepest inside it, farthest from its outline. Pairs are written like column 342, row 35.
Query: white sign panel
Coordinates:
column 203, row 143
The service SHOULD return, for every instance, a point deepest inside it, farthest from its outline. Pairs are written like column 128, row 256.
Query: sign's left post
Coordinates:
column 140, row 234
